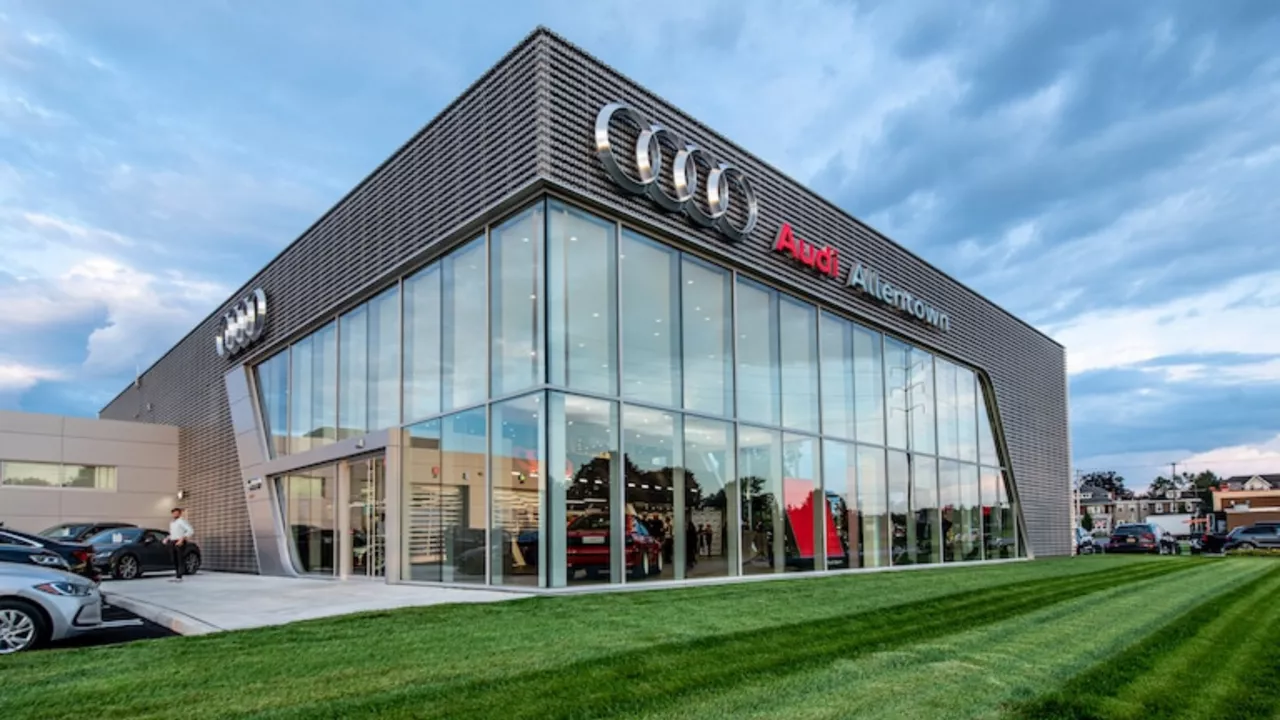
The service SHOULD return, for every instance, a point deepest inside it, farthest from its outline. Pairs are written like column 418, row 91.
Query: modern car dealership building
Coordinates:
column 567, row 334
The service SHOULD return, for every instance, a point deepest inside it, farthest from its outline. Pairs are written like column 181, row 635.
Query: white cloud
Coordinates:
column 15, row 376
column 1240, row 316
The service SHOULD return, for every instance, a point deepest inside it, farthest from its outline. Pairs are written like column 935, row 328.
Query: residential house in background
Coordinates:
column 1244, row 500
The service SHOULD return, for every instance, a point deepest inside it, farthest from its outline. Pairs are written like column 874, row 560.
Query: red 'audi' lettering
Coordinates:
column 825, row 261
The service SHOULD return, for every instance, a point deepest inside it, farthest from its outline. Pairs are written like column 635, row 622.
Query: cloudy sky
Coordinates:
column 1108, row 171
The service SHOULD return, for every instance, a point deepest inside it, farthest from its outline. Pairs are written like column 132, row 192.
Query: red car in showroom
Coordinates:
column 587, row 547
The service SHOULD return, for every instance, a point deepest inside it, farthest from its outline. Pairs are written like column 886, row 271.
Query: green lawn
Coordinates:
column 1095, row 637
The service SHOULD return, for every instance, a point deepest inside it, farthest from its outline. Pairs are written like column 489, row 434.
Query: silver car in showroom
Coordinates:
column 40, row 605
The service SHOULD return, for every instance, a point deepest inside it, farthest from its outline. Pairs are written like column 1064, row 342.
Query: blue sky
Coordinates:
column 1107, row 171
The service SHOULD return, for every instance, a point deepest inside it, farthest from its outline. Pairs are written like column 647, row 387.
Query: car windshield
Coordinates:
column 1132, row 530
column 62, row 532
column 114, row 536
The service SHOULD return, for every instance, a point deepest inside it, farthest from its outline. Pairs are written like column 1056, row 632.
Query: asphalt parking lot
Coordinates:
column 119, row 626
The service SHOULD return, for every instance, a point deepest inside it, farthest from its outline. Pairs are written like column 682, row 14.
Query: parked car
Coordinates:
column 1084, row 542
column 79, row 532
column 128, row 553
column 40, row 605
column 587, row 540
column 28, row 555
column 1216, row 542
column 1143, row 538
column 78, row 557
column 1250, row 538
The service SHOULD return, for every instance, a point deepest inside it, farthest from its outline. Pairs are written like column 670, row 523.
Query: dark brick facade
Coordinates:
column 527, row 126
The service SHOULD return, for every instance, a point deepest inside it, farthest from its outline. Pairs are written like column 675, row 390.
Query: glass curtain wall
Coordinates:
column 582, row 403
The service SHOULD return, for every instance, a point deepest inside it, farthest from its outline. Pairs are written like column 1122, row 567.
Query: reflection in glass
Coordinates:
column 899, row 472
column 798, row 330
column 353, row 382
column 923, row 533
column 948, row 410
column 711, row 493
column 999, row 530
column 464, row 345
column 515, row 256
column 897, row 380
column 273, row 391
column 582, row 301
column 920, row 401
column 515, row 555
column 422, row 344
column 584, row 441
column 873, row 507
column 969, row 533
column 839, row 477
column 868, row 385
column 660, row 528
column 307, row 500
column 949, row 499
column 837, row 377
column 967, row 408
column 425, row 547
column 986, row 434
column 759, row 383
column 314, row 390
column 384, row 360
column 707, row 334
column 651, row 321
column 760, row 480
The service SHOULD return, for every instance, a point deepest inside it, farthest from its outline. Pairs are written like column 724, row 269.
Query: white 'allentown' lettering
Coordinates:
column 869, row 282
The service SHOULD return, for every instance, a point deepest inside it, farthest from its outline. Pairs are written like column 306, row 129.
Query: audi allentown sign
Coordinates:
column 860, row 278
column 704, row 189
column 243, row 324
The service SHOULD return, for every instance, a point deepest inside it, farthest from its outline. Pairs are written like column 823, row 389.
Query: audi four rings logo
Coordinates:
column 242, row 324
column 706, row 204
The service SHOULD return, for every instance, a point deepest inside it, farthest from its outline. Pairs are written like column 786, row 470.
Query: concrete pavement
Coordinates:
column 211, row 602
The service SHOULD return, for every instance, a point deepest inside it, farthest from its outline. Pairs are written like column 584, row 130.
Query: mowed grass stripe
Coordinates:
column 663, row 675
column 1212, row 644
column 972, row 674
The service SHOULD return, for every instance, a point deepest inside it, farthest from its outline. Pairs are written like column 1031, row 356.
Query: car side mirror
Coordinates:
column 147, row 540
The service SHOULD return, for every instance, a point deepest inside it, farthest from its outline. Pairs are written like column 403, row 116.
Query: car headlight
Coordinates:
column 69, row 589
column 48, row 560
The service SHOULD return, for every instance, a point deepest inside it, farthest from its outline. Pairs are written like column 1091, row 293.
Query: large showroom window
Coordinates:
column 515, row 313
column 583, row 403
column 307, row 503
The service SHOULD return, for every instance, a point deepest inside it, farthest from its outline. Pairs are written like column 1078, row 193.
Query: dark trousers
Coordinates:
column 178, row 556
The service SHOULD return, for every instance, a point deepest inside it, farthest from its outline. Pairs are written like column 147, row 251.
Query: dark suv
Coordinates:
column 1143, row 538
column 1258, row 536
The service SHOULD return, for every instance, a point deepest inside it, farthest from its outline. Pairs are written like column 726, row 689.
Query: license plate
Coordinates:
column 592, row 541
column 1131, row 540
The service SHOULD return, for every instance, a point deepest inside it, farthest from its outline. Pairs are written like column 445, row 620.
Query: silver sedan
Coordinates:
column 40, row 605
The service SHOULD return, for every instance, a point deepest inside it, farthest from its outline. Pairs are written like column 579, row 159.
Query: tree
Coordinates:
column 1108, row 480
column 1086, row 522
column 1162, row 485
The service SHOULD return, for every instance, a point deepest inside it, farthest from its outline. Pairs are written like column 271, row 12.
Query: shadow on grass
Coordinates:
column 661, row 676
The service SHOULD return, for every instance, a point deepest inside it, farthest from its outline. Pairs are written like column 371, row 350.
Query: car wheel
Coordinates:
column 1247, row 546
column 126, row 568
column 21, row 627
column 642, row 567
column 191, row 564
column 659, row 556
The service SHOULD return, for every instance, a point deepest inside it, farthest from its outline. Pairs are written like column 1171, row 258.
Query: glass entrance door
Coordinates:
column 367, row 506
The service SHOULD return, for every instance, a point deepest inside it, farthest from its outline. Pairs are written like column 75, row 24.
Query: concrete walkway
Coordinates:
column 211, row 602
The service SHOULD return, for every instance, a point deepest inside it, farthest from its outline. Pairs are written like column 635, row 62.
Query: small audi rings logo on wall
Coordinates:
column 242, row 324
column 704, row 189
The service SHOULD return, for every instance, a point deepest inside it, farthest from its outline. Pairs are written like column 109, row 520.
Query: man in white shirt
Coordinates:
column 179, row 532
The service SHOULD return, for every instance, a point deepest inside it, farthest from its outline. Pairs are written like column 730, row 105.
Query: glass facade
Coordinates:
column 579, row 403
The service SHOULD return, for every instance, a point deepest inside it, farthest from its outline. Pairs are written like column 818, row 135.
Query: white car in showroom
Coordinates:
column 39, row 605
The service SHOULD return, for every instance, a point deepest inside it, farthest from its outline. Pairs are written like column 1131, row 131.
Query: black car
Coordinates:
column 16, row 546
column 127, row 553
column 80, row 532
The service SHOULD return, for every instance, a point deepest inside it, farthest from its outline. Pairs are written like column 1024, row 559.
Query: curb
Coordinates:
column 174, row 620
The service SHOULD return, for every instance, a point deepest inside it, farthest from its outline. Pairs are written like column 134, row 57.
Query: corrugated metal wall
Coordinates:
column 531, row 117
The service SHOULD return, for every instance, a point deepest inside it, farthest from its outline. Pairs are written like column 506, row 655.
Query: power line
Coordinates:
column 1187, row 466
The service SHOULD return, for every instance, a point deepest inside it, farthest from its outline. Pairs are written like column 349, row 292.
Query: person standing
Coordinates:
column 180, row 531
